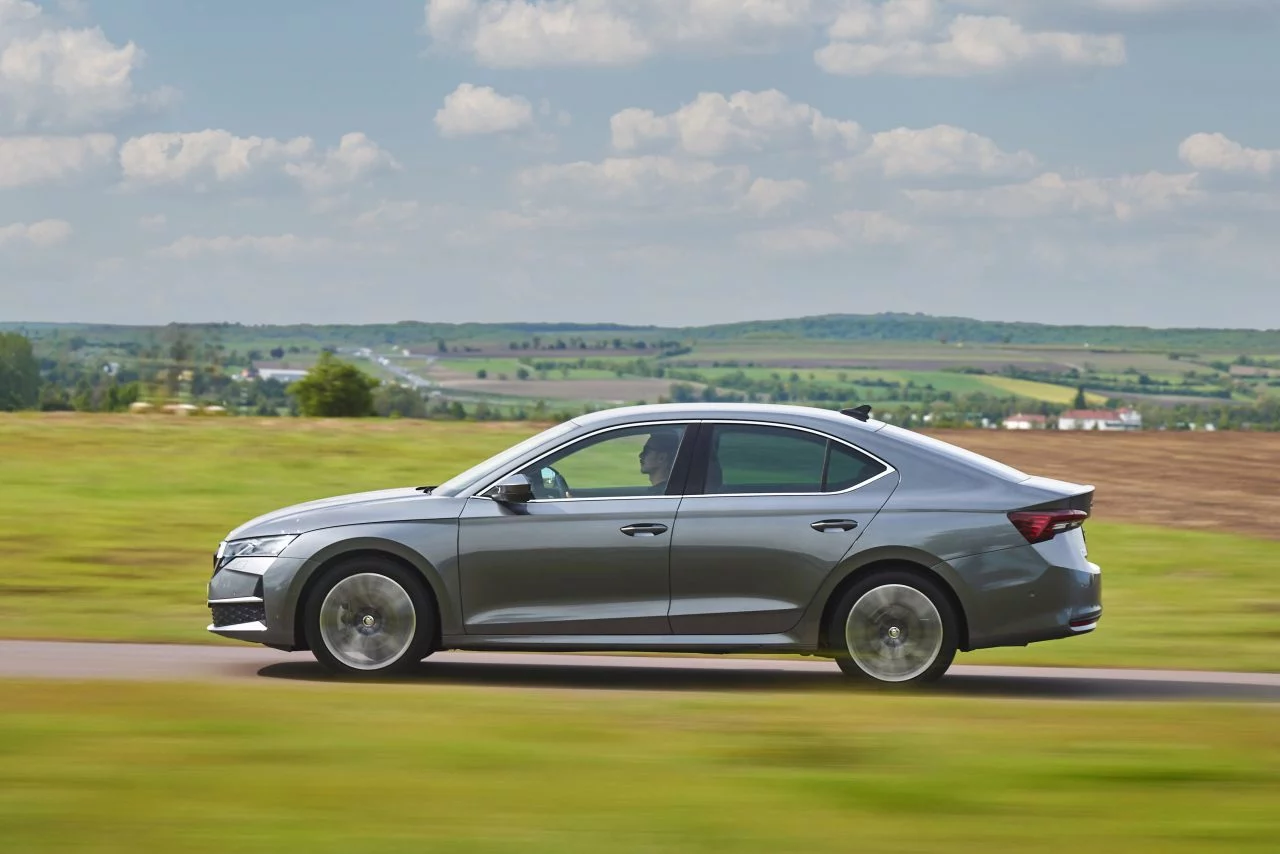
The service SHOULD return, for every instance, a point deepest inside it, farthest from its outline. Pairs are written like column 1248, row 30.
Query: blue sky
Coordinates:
column 644, row 161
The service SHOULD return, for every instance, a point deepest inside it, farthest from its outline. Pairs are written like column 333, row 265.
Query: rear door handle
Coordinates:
column 643, row 529
column 834, row 525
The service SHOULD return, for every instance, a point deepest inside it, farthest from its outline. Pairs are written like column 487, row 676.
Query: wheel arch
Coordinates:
column 355, row 550
column 896, row 564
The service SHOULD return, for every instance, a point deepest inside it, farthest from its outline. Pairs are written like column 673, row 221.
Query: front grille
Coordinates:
column 232, row 615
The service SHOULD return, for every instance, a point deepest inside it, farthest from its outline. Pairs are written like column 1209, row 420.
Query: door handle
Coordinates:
column 643, row 529
column 834, row 525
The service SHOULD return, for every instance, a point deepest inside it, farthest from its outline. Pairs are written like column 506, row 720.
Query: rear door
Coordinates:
column 768, row 513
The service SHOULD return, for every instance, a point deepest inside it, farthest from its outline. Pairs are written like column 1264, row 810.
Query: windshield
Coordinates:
column 461, row 481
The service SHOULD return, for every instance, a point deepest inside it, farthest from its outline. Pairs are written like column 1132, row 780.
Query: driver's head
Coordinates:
column 658, row 454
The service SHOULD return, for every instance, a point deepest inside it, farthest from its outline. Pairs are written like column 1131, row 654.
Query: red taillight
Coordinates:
column 1040, row 526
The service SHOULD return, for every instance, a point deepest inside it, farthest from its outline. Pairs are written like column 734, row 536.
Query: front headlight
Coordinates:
column 253, row 547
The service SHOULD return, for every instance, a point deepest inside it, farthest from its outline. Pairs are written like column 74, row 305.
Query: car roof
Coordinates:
column 782, row 413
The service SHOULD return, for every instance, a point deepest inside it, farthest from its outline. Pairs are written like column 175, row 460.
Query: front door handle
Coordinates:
column 644, row 529
column 834, row 525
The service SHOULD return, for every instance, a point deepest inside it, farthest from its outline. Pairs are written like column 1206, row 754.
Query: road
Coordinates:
column 58, row 660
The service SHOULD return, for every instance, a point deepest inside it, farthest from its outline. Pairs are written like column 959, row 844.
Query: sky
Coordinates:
column 673, row 162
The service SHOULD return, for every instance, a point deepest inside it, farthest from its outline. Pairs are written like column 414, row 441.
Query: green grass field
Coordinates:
column 111, row 522
column 138, row 768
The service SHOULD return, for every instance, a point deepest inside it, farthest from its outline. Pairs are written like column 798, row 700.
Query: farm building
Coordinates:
column 1026, row 422
column 275, row 371
column 1100, row 419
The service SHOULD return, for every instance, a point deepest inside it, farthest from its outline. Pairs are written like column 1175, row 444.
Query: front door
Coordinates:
column 590, row 555
column 781, row 507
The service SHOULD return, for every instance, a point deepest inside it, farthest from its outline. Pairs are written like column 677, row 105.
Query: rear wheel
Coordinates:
column 369, row 615
column 894, row 628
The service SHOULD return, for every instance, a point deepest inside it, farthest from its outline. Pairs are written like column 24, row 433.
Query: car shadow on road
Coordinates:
column 703, row 679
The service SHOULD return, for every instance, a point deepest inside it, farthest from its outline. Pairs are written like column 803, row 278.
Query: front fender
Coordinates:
column 429, row 547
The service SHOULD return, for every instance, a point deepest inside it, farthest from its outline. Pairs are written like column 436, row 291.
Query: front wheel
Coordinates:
column 894, row 628
column 369, row 616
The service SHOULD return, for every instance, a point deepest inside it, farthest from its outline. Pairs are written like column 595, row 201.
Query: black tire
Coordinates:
column 396, row 598
column 895, row 585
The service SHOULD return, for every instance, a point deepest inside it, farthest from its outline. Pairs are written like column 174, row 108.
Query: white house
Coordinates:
column 1026, row 422
column 1100, row 419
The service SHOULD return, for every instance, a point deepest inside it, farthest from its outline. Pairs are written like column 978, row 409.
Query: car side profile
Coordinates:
column 718, row 528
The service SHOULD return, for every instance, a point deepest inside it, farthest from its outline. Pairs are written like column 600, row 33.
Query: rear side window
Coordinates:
column 756, row 459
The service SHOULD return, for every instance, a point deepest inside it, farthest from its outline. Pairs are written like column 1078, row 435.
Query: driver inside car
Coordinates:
column 656, row 458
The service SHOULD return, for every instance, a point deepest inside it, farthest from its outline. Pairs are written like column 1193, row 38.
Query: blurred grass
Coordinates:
column 138, row 768
column 109, row 524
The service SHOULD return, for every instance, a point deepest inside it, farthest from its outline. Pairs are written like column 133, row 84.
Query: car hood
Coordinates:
column 358, row 508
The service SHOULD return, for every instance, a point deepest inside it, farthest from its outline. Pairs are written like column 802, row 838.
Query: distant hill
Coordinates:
column 832, row 327
column 921, row 327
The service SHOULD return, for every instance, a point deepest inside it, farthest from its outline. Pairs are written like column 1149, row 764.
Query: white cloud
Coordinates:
column 530, row 33
column 1052, row 195
column 942, row 150
column 64, row 77
column 640, row 181
column 42, row 234
column 280, row 246
column 27, row 160
column 1118, row 9
column 471, row 109
column 154, row 222
column 767, row 195
column 910, row 37
column 219, row 155
column 355, row 158
column 514, row 33
column 845, row 230
column 882, row 40
column 750, row 121
column 1214, row 152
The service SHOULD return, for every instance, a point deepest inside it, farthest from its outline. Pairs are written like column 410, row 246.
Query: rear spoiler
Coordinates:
column 1057, row 495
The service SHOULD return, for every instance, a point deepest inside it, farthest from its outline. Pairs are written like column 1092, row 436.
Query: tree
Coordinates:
column 334, row 389
column 399, row 402
column 19, row 373
column 276, row 353
column 1080, row 402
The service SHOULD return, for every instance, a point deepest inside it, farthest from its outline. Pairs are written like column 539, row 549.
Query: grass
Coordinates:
column 137, row 768
column 110, row 523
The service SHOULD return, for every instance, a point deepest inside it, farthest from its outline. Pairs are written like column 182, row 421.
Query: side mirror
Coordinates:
column 513, row 489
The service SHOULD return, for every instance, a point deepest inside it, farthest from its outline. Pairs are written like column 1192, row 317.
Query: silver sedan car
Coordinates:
column 716, row 528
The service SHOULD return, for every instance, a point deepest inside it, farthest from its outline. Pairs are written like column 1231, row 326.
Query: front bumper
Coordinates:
column 248, row 600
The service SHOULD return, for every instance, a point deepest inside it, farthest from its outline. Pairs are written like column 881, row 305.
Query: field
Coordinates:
column 843, row 369
column 111, row 520
column 136, row 768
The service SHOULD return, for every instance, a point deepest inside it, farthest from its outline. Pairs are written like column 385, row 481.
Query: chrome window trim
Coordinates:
column 889, row 469
column 666, row 422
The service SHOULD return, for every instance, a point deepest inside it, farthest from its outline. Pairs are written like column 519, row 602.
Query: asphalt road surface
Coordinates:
column 58, row 660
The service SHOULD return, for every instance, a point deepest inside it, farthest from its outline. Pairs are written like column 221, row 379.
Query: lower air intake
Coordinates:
column 232, row 615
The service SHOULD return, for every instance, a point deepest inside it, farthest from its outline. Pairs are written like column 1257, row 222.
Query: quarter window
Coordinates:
column 757, row 459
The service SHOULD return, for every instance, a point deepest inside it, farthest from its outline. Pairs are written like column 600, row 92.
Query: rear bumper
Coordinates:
column 1030, row 594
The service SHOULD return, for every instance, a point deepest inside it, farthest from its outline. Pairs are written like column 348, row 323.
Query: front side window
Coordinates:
column 634, row 461
column 750, row 459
